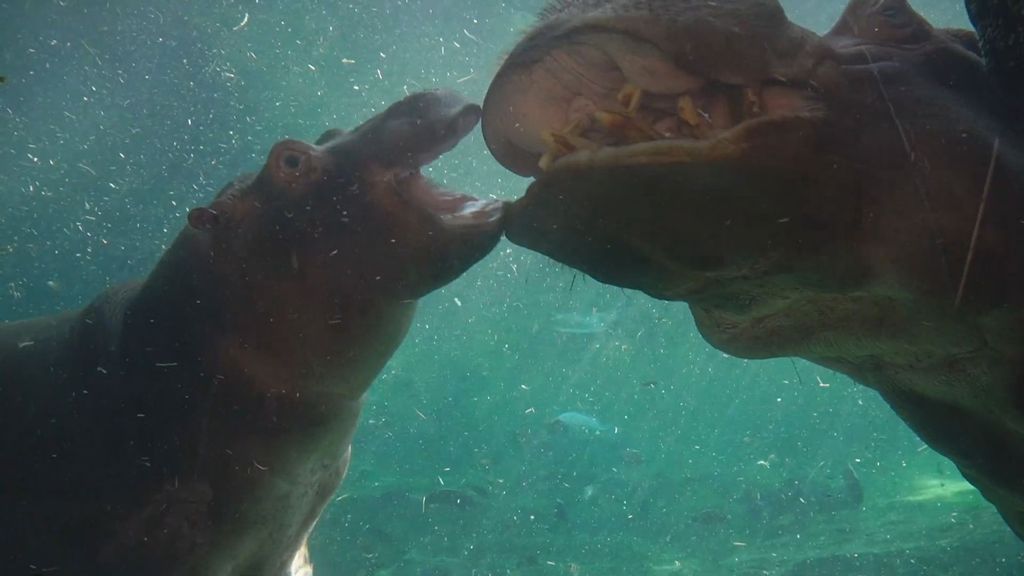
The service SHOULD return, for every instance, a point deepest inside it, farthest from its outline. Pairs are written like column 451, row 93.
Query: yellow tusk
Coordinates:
column 687, row 110
column 752, row 101
column 546, row 161
column 629, row 98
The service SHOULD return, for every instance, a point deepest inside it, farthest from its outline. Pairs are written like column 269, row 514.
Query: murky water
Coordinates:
column 117, row 119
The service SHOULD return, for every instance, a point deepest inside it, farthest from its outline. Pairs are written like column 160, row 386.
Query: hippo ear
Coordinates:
column 294, row 164
column 966, row 38
column 329, row 135
column 204, row 218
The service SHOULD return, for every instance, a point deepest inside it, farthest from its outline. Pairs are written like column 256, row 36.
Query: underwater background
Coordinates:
column 534, row 421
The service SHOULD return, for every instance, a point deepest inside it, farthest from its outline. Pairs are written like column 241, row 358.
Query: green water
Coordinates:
column 118, row 117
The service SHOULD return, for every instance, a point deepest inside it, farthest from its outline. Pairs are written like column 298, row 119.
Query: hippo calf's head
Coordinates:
column 351, row 215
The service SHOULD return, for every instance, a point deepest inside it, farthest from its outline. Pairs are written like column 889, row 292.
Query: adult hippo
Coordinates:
column 197, row 422
column 853, row 199
column 1000, row 25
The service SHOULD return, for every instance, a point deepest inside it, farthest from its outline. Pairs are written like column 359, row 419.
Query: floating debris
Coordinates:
column 632, row 456
column 576, row 323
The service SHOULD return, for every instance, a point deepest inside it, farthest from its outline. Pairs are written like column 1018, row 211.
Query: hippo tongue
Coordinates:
column 474, row 212
column 454, row 209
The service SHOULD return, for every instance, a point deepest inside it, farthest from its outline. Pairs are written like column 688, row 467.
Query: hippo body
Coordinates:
column 855, row 199
column 197, row 422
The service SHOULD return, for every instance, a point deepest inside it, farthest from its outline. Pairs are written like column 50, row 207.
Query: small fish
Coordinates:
column 561, row 512
column 649, row 384
column 575, row 323
column 3, row 79
column 710, row 517
column 578, row 421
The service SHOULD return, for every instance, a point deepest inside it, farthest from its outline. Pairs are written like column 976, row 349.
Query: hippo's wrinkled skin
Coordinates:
column 807, row 196
column 197, row 422
column 1000, row 26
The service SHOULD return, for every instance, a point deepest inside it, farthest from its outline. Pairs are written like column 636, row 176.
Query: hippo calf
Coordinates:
column 197, row 422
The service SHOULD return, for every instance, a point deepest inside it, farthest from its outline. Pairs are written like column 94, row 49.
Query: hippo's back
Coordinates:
column 65, row 431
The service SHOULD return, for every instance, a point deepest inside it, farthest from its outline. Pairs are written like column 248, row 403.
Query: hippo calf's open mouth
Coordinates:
column 409, row 135
column 418, row 130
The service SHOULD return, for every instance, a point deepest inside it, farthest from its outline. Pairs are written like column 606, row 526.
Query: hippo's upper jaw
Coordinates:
column 597, row 79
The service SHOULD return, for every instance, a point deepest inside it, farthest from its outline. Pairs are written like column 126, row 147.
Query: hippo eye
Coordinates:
column 892, row 10
column 292, row 161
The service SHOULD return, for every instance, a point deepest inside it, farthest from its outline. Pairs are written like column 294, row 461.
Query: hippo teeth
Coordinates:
column 701, row 114
column 453, row 209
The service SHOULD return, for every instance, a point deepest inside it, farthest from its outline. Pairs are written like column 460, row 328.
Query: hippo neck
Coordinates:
column 220, row 326
column 175, row 310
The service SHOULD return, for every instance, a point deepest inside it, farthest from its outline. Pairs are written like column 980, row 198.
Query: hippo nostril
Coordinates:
column 292, row 161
